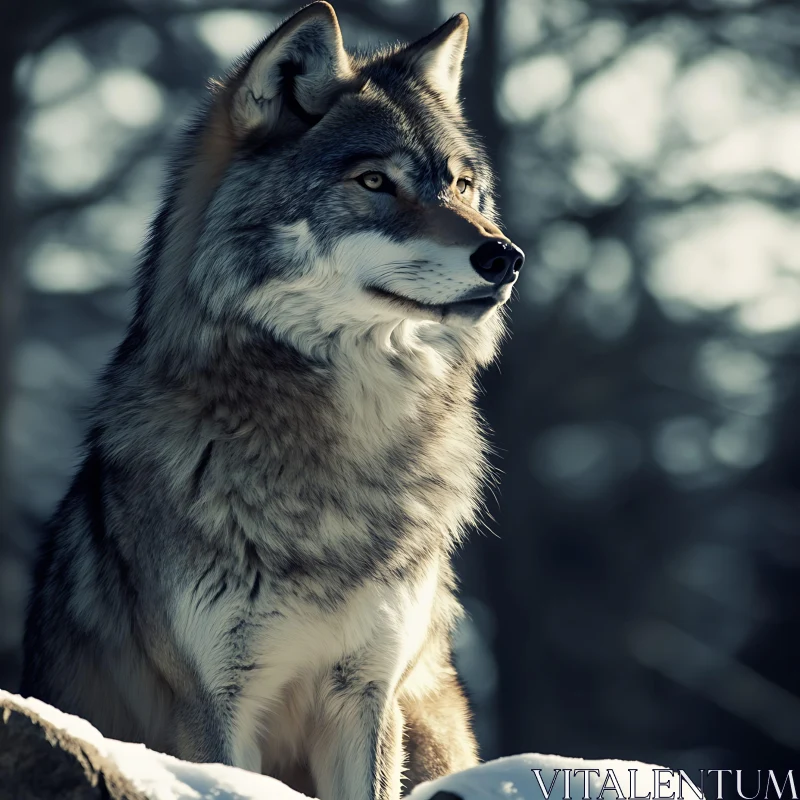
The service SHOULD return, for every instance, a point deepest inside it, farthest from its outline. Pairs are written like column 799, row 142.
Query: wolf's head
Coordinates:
column 335, row 198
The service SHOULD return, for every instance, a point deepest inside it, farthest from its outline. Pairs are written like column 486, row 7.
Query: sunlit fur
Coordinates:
column 252, row 564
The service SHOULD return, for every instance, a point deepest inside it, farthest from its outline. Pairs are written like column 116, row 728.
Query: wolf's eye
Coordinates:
column 376, row 182
column 462, row 184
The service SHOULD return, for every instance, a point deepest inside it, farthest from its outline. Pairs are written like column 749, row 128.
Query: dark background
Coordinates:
column 637, row 594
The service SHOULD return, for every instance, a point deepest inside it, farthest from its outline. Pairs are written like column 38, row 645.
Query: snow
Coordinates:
column 523, row 777
column 515, row 778
column 159, row 776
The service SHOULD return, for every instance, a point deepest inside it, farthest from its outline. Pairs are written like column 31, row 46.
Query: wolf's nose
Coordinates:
column 498, row 261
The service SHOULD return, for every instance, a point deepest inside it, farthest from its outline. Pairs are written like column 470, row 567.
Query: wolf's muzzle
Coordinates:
column 498, row 261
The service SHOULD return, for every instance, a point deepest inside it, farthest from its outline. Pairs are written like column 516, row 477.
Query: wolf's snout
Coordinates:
column 498, row 261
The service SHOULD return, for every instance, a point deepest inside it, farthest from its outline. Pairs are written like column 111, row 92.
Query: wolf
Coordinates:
column 252, row 565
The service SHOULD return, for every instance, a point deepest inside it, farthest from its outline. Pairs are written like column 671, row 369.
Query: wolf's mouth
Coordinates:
column 472, row 308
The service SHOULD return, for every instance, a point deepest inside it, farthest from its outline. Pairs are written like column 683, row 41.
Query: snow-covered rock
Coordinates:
column 67, row 757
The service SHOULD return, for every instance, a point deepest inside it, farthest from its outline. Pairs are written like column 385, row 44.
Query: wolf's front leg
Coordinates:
column 438, row 733
column 357, row 751
column 210, row 730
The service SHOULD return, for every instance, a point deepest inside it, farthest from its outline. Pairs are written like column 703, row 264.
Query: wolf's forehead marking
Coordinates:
column 396, row 119
column 402, row 162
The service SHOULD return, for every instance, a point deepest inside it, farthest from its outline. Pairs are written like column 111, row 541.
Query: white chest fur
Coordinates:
column 294, row 648
column 386, row 623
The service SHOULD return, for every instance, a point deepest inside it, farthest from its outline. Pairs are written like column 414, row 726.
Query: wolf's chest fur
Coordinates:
column 330, row 482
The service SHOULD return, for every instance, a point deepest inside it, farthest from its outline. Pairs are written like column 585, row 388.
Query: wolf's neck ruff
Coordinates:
column 263, row 427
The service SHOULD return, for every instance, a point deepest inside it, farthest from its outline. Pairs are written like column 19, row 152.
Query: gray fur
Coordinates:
column 252, row 563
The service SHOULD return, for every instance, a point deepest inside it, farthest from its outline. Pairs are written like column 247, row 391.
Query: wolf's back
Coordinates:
column 81, row 649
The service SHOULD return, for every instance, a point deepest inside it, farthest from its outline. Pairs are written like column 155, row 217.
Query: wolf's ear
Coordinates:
column 438, row 58
column 299, row 69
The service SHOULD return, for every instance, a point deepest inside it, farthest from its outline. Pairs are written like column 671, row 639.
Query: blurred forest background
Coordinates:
column 641, row 598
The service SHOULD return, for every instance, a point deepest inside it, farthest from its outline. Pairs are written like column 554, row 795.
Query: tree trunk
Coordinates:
column 11, row 30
